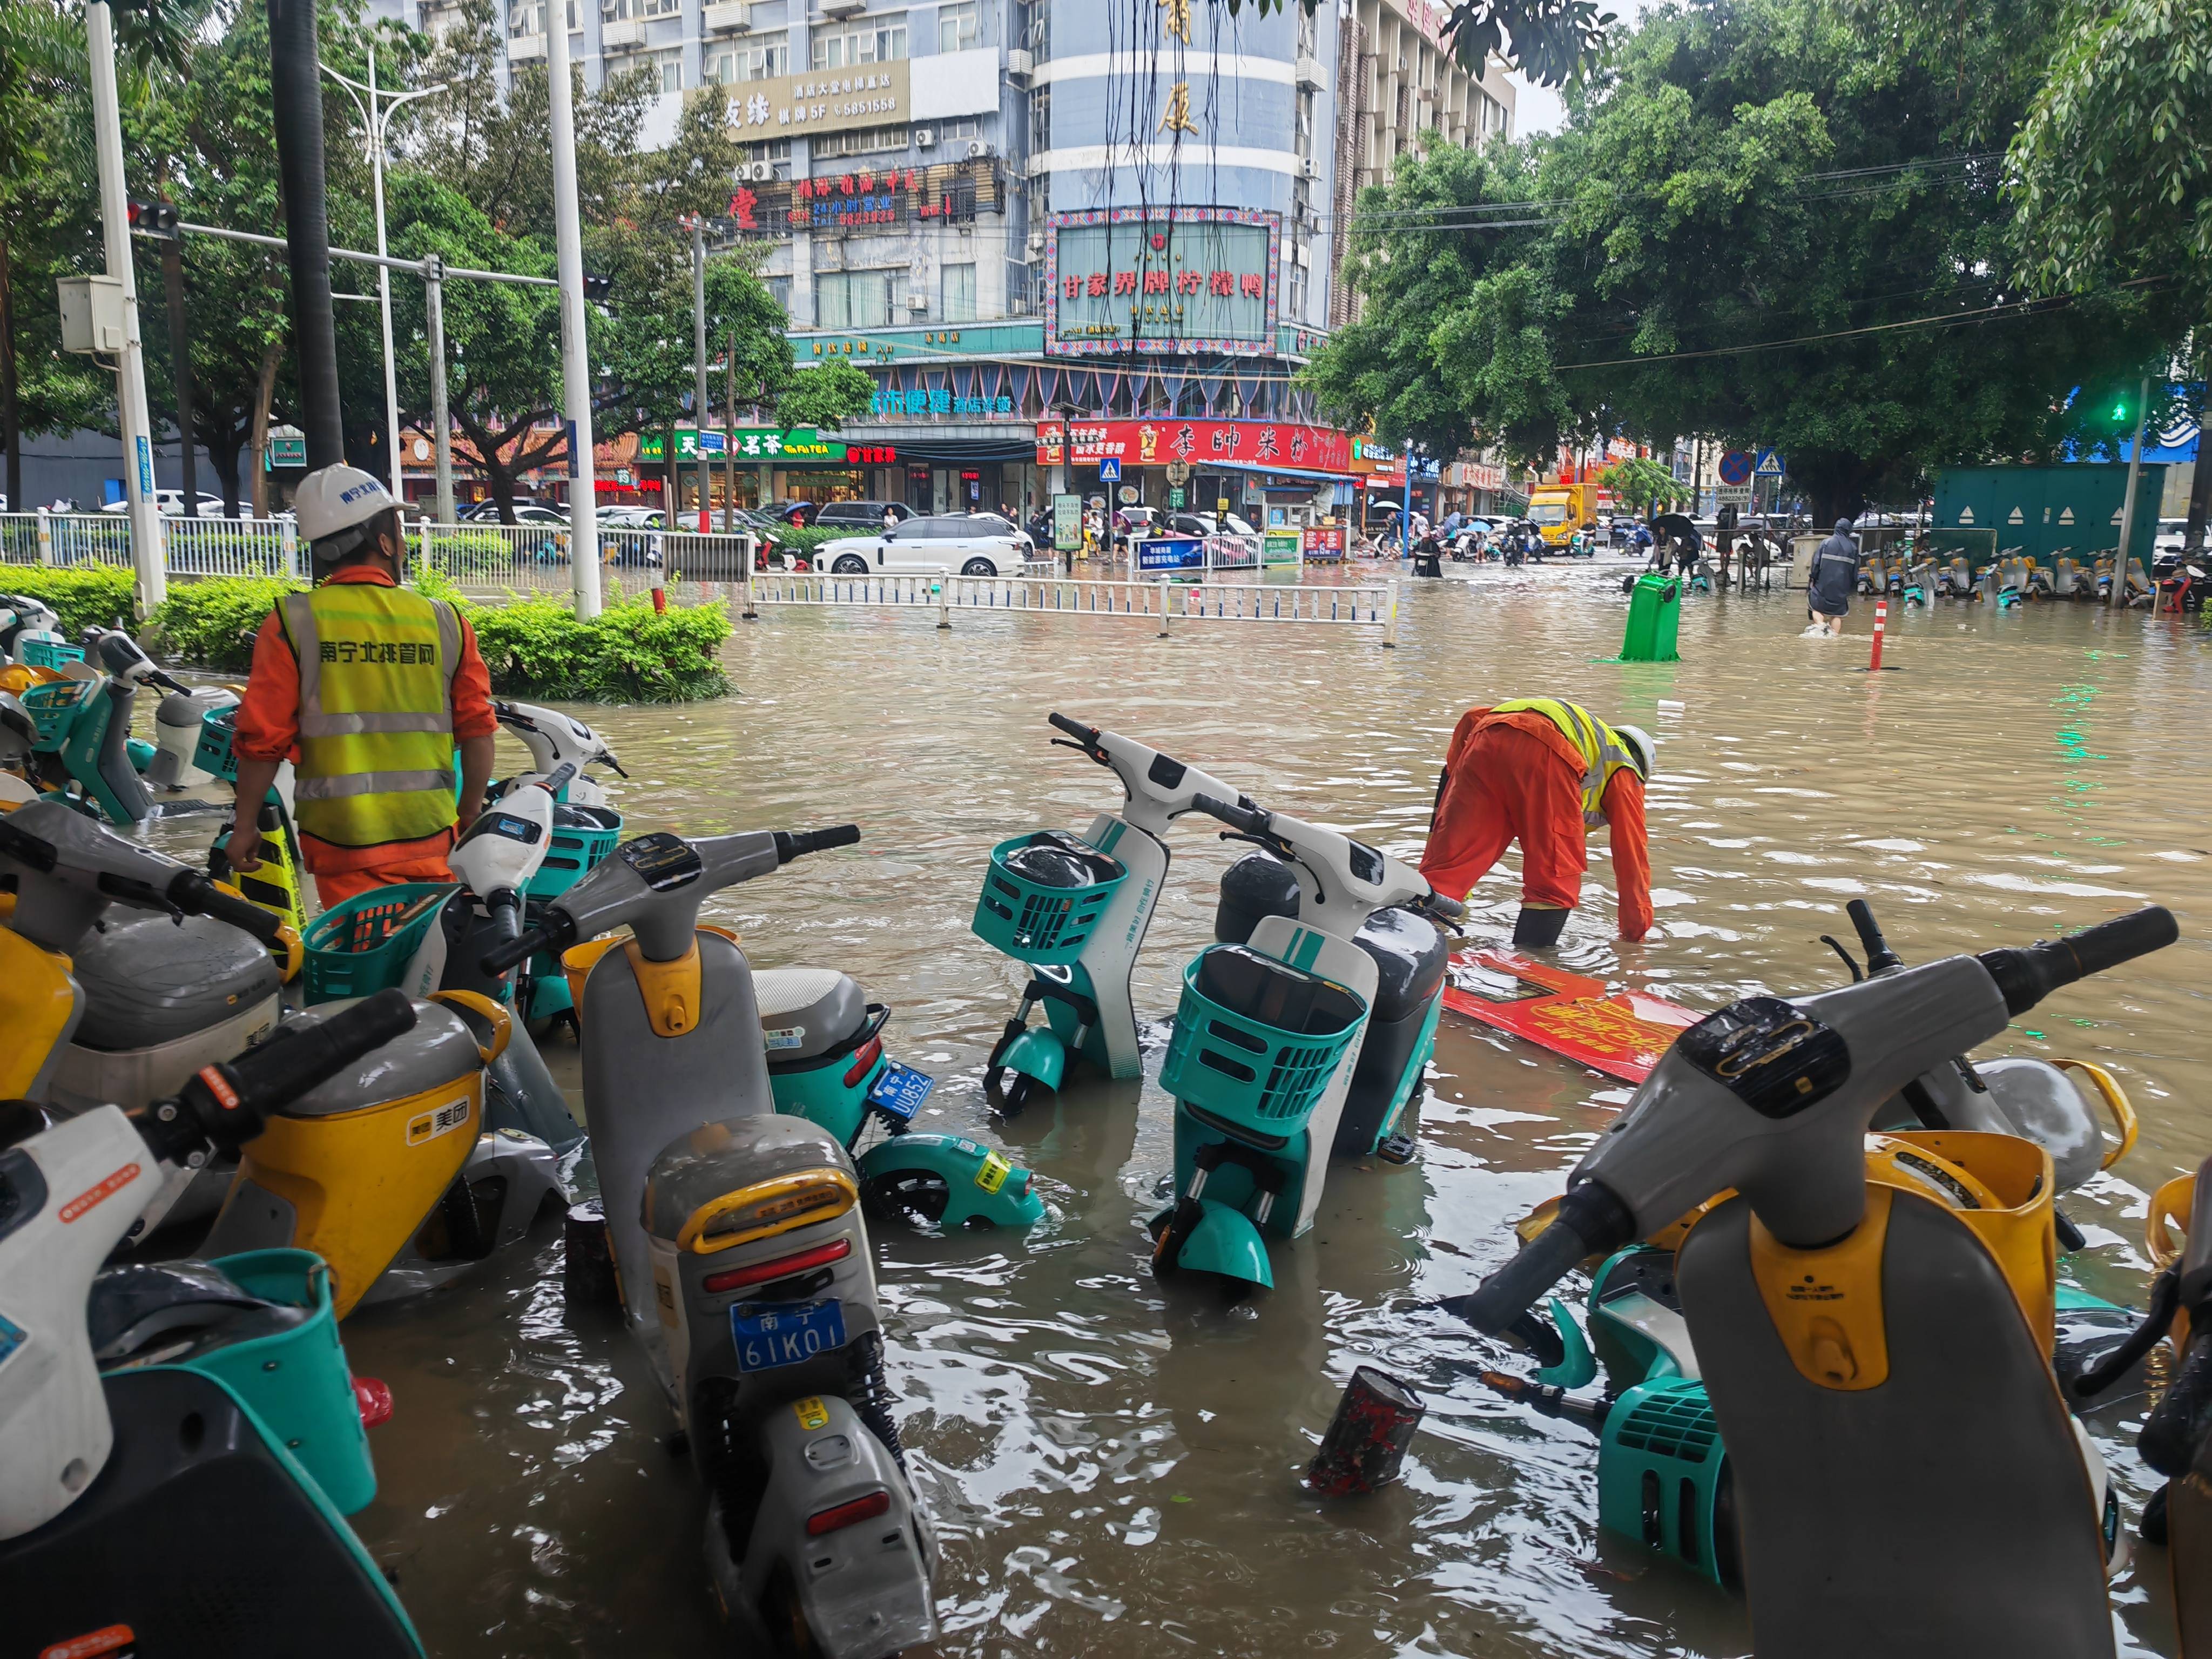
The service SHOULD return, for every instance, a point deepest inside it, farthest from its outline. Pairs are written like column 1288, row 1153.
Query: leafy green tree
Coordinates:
column 826, row 396
column 2111, row 172
column 1552, row 42
column 45, row 231
column 1771, row 223
column 1643, row 486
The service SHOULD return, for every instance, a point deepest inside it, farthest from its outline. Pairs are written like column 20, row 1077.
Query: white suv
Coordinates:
column 971, row 547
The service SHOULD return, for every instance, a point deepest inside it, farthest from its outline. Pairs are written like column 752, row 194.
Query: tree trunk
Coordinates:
column 219, row 437
column 272, row 354
column 10, row 415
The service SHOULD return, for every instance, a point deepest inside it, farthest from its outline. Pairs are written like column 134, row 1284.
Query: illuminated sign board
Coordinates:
column 785, row 443
column 1183, row 279
column 1259, row 444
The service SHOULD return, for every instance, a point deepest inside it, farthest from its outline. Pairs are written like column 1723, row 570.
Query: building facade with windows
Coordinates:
column 1033, row 220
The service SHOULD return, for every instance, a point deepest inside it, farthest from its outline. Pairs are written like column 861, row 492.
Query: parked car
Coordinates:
column 972, row 547
column 866, row 514
column 171, row 504
column 1001, row 525
column 630, row 535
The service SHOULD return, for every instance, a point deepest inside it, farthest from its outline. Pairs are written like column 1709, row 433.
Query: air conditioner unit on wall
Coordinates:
column 1310, row 166
column 917, row 302
column 1037, row 241
column 924, row 138
column 1019, row 63
column 977, row 149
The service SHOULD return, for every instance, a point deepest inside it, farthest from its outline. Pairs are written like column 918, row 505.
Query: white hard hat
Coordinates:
column 334, row 499
column 1641, row 746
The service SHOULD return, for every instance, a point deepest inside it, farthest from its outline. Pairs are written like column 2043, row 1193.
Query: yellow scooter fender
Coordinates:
column 352, row 1170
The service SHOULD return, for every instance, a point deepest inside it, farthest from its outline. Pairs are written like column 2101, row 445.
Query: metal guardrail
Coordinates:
column 1373, row 605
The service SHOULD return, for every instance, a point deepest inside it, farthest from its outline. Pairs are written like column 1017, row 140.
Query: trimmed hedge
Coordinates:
column 534, row 646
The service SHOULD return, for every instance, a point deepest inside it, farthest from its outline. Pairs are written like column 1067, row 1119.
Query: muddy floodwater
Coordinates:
column 1112, row 1467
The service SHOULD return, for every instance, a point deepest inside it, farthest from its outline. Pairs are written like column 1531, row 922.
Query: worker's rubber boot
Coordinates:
column 1539, row 927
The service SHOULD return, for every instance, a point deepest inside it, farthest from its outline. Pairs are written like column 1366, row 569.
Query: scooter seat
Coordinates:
column 695, row 1170
column 149, row 980
column 1411, row 956
column 806, row 1012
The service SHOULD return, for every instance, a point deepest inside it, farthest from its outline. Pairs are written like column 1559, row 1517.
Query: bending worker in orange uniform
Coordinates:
column 368, row 688
column 1540, row 771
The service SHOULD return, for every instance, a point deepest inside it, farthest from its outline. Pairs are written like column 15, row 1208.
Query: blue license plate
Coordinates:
column 900, row 1091
column 785, row 1333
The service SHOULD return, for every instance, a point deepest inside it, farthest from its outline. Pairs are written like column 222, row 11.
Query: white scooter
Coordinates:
column 1268, row 1037
column 740, row 1254
column 150, row 1508
column 555, row 739
column 1075, row 909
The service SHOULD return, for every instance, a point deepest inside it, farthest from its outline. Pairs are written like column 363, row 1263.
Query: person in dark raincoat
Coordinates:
column 1835, row 574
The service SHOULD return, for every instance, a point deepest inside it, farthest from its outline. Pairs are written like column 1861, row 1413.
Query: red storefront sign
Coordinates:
column 1157, row 443
column 871, row 454
column 1323, row 542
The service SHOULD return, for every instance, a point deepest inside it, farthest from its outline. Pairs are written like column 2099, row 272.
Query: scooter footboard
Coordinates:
column 838, row 1529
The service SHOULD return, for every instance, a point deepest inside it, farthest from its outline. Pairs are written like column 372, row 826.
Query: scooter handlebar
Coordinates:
column 2029, row 974
column 195, row 895
column 1879, row 955
column 556, row 932
column 1252, row 820
column 228, row 1102
column 798, row 843
column 1591, row 1221
column 1086, row 735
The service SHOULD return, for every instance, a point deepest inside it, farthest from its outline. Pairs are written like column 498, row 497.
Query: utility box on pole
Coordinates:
column 91, row 313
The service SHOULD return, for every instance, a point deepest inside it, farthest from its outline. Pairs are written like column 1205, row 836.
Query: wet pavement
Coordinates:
column 1114, row 1467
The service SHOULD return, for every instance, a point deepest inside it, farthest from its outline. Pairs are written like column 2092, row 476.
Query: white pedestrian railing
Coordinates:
column 486, row 558
column 1373, row 605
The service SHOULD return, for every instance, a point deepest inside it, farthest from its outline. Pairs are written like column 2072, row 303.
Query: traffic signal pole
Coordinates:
column 146, row 549
column 295, row 96
column 180, row 352
column 2118, row 595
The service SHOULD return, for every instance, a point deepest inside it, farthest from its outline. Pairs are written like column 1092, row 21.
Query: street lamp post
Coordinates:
column 575, row 342
column 378, row 110
column 703, row 466
column 145, row 551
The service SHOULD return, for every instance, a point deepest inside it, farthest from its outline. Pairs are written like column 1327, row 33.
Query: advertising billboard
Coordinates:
column 1162, row 279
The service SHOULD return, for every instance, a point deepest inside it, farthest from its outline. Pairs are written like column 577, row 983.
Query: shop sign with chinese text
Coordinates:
column 1183, row 279
column 820, row 100
column 1157, row 442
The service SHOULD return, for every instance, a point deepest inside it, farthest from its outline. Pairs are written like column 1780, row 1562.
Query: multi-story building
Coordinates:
column 1056, row 231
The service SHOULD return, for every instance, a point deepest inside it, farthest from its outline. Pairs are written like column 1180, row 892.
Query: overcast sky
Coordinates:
column 1540, row 109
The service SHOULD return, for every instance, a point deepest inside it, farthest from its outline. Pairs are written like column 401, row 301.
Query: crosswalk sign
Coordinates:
column 1769, row 465
column 1109, row 470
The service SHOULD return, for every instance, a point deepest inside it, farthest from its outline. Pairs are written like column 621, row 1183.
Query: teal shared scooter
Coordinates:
column 1268, row 1041
column 1074, row 909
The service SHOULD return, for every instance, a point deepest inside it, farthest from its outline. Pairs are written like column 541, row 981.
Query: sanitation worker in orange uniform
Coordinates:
column 1542, row 772
column 370, row 690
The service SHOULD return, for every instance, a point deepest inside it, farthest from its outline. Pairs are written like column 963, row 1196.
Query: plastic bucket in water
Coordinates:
column 296, row 1380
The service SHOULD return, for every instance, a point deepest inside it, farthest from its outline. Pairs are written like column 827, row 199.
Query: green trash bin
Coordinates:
column 1655, row 614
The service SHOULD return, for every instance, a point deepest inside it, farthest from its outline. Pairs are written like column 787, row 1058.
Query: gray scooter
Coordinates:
column 741, row 1253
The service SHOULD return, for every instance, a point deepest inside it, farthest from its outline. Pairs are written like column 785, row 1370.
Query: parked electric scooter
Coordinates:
column 740, row 1252
column 1902, row 1408
column 555, row 739
column 1634, row 1311
column 406, row 1177
column 84, row 726
column 98, row 1008
column 149, row 1508
column 1075, row 909
column 1268, row 1039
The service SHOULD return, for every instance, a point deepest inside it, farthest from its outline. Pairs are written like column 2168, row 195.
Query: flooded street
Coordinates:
column 1112, row 1468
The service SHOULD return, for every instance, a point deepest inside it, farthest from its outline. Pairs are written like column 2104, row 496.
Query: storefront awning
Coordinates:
column 1273, row 472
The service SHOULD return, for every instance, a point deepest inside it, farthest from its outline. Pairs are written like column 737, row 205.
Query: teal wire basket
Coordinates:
column 1035, row 922
column 1256, row 1040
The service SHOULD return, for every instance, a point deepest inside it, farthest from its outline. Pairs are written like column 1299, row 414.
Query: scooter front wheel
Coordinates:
column 1008, row 1099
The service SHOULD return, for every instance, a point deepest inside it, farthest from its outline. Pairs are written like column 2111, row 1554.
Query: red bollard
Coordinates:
column 1367, row 1439
column 1880, row 622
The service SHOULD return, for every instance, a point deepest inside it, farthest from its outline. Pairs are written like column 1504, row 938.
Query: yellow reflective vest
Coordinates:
column 1602, row 751
column 376, row 712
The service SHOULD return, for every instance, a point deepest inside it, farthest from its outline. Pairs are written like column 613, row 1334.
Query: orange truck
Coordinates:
column 1559, row 510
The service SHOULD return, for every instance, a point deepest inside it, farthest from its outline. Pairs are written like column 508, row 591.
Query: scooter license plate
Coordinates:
column 900, row 1091
column 788, row 1334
